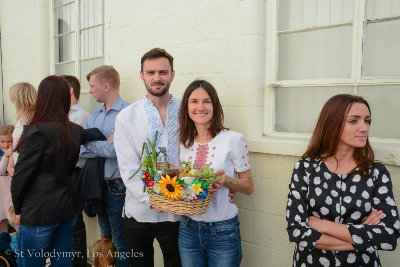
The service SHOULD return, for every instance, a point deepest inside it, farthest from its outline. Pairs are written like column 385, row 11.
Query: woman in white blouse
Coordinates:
column 212, row 238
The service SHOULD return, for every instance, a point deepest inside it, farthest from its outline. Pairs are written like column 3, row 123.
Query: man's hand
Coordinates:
column 158, row 210
column 231, row 196
column 111, row 137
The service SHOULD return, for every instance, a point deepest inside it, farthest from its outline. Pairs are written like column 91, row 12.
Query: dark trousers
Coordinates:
column 79, row 236
column 140, row 237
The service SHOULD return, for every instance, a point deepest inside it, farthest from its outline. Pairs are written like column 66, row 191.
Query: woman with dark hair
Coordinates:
column 42, row 192
column 341, row 208
column 212, row 238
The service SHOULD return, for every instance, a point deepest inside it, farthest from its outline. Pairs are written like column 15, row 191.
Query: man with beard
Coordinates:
column 157, row 111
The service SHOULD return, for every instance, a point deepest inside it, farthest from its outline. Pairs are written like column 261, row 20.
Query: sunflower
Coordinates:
column 170, row 188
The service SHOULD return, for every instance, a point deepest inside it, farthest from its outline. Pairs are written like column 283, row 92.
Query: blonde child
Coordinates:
column 104, row 252
column 6, row 142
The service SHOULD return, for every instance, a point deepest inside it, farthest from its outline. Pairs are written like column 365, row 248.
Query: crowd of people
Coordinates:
column 59, row 161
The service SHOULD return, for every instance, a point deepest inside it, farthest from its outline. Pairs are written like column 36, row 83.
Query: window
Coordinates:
column 78, row 40
column 317, row 49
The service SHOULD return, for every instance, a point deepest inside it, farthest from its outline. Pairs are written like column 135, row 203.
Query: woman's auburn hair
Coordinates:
column 103, row 252
column 187, row 128
column 325, row 139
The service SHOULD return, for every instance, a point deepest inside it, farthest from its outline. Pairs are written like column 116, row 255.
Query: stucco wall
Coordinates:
column 25, row 46
column 222, row 41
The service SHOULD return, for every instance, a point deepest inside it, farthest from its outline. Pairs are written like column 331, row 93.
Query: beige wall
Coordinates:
column 25, row 46
column 222, row 41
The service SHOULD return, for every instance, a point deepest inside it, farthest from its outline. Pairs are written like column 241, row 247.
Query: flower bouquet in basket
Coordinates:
column 182, row 191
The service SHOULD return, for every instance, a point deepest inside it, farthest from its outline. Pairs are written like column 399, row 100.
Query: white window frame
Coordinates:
column 295, row 144
column 77, row 33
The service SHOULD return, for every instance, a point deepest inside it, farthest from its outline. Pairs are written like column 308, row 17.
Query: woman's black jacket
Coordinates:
column 41, row 188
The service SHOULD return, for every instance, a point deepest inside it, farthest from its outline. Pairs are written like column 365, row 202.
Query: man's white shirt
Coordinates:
column 134, row 125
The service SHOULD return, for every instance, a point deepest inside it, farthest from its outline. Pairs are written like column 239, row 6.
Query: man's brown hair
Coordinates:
column 74, row 83
column 157, row 53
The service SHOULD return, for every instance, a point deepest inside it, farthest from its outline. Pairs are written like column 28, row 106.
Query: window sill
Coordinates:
column 386, row 150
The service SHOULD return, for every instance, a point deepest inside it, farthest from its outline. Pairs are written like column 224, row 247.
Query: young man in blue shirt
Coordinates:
column 104, row 84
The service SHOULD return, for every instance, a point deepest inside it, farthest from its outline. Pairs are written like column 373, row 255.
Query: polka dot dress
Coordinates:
column 347, row 199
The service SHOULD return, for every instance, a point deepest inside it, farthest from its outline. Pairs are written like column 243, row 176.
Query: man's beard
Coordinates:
column 163, row 91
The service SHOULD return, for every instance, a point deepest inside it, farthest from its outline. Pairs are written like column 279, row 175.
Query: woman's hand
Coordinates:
column 217, row 185
column 315, row 223
column 374, row 217
column 336, row 230
column 243, row 184
column 339, row 230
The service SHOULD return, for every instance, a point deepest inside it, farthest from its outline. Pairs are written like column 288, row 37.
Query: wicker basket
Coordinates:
column 184, row 207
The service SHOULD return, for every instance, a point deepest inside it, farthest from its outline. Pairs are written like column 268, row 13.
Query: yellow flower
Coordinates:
column 197, row 188
column 170, row 188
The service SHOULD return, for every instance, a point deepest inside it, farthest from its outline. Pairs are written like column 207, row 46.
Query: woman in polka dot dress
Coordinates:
column 212, row 238
column 341, row 208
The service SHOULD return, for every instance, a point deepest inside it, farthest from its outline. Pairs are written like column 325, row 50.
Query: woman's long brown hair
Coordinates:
column 326, row 136
column 187, row 128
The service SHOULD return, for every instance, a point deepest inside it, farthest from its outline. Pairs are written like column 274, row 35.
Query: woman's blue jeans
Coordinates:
column 210, row 244
column 36, row 243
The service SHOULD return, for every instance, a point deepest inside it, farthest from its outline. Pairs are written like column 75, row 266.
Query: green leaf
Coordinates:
column 150, row 159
